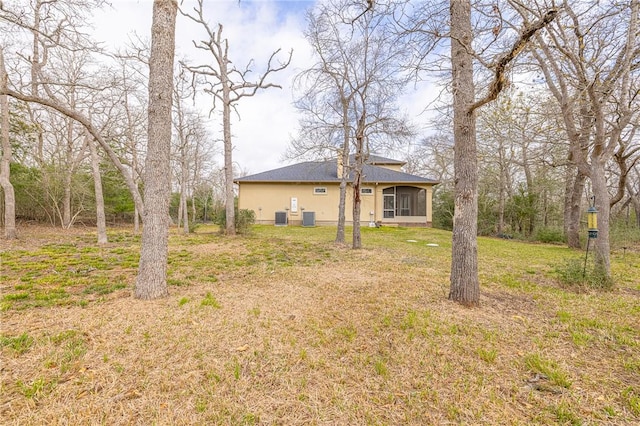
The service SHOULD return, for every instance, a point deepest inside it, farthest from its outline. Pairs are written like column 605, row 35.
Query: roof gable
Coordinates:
column 326, row 172
column 377, row 160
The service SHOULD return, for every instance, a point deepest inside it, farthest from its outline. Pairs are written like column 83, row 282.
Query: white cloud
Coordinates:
column 254, row 28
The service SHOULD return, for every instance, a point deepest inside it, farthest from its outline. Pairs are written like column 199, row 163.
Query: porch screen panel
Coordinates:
column 389, row 203
column 412, row 201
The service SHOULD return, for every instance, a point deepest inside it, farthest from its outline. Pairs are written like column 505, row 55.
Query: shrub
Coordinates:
column 573, row 274
column 549, row 235
column 193, row 226
column 244, row 220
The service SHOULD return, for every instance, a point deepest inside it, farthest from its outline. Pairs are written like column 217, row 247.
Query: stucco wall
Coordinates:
column 267, row 198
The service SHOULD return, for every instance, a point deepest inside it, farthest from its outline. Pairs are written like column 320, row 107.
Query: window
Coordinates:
column 404, row 201
column 320, row 190
column 366, row 191
column 389, row 203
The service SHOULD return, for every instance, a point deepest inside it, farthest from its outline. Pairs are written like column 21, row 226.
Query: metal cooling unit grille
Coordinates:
column 281, row 218
column 308, row 218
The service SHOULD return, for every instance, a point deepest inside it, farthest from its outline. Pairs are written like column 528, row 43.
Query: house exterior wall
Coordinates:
column 265, row 199
column 396, row 167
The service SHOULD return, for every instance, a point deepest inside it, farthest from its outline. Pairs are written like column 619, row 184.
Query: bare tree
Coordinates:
column 151, row 282
column 626, row 158
column 465, row 286
column 592, row 72
column 101, row 222
column 131, row 122
column 633, row 189
column 228, row 84
column 51, row 24
column 349, row 103
column 55, row 25
column 9, row 195
column 519, row 144
column 190, row 150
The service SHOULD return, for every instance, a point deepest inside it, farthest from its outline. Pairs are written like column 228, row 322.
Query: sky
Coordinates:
column 255, row 29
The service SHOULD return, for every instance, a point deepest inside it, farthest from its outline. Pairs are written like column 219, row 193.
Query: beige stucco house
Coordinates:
column 308, row 194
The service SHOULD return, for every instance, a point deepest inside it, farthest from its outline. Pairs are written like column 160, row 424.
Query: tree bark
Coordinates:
column 10, row 231
column 602, row 247
column 151, row 282
column 230, row 223
column 183, row 196
column 101, row 222
column 360, row 155
column 572, row 211
column 465, row 286
column 343, row 171
column 68, row 170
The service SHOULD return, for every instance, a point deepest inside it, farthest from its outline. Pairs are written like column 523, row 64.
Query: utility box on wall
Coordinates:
column 281, row 218
column 308, row 218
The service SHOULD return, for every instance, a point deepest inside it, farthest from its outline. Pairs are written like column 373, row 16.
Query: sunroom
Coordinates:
column 404, row 205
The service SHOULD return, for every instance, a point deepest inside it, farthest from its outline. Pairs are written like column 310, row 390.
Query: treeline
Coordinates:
column 39, row 196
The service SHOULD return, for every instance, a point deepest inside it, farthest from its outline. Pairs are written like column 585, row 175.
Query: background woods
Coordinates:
column 119, row 154
column 562, row 131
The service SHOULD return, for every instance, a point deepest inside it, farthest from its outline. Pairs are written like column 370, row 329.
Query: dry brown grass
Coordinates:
column 306, row 333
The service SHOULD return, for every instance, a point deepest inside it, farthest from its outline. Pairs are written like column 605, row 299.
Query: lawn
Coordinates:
column 283, row 327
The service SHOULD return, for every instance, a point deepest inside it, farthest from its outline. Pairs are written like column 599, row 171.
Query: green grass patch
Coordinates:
column 487, row 355
column 104, row 287
column 37, row 388
column 380, row 367
column 15, row 296
column 564, row 415
column 19, row 344
column 349, row 332
column 210, row 300
column 631, row 396
column 548, row 368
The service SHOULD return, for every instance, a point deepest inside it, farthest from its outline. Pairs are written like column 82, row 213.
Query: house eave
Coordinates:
column 364, row 182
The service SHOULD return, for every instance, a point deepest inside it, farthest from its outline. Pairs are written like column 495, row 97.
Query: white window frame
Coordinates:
column 320, row 190
column 369, row 191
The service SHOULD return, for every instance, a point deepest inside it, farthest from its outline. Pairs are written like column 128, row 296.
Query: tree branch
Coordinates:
column 84, row 121
column 499, row 79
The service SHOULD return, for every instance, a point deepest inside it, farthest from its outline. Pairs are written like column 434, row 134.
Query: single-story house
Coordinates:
column 309, row 193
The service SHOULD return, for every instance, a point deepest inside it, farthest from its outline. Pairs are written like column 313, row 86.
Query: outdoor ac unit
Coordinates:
column 308, row 218
column 281, row 218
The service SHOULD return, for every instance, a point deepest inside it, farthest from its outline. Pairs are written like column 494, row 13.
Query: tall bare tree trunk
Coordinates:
column 343, row 170
column 572, row 211
column 134, row 177
column 360, row 155
column 230, row 227
column 151, row 282
column 101, row 222
column 183, row 195
column 5, row 170
column 193, row 206
column 602, row 198
column 465, row 286
column 68, row 173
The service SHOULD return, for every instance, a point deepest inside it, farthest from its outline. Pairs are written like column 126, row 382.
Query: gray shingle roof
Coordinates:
column 377, row 160
column 326, row 171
